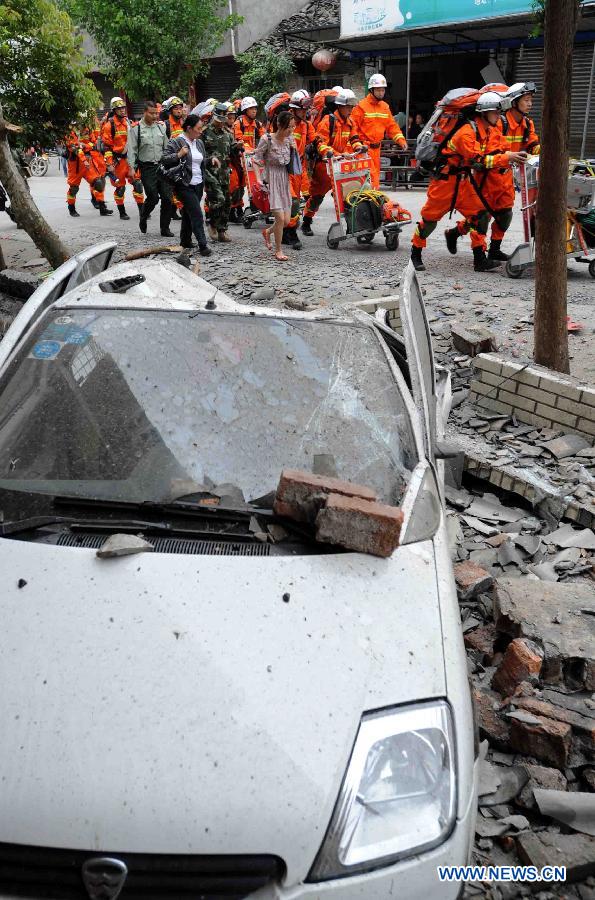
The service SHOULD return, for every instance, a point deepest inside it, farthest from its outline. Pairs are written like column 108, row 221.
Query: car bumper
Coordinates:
column 415, row 879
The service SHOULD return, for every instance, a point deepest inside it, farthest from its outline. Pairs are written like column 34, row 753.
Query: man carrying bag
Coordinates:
column 146, row 144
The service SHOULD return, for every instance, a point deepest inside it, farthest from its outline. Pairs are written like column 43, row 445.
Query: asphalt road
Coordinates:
column 318, row 274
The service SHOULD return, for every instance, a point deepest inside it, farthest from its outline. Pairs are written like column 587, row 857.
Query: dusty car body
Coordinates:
column 222, row 716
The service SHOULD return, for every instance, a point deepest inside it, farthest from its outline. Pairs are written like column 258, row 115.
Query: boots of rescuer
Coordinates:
column 481, row 263
column 72, row 211
column 94, row 203
column 232, row 218
column 103, row 210
column 307, row 226
column 417, row 260
column 123, row 213
column 496, row 253
column 291, row 239
column 452, row 235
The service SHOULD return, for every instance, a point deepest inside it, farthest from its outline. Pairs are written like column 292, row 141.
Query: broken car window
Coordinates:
column 123, row 404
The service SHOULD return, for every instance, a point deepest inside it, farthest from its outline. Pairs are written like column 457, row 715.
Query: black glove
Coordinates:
column 329, row 154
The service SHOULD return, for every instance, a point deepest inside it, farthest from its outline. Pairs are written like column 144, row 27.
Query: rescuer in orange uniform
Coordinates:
column 303, row 134
column 83, row 163
column 374, row 122
column 247, row 131
column 173, row 116
column 114, row 135
column 467, row 153
column 336, row 133
column 516, row 132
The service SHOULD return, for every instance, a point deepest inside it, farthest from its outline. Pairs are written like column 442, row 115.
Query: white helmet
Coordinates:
column 519, row 89
column 377, row 81
column 492, row 102
column 300, row 100
column 248, row 103
column 345, row 97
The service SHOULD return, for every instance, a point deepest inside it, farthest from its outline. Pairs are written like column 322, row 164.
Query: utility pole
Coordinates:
column 551, row 333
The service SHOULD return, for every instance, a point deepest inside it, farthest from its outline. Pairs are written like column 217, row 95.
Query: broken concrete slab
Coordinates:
column 19, row 284
column 574, row 851
column 525, row 608
column 490, row 509
column 566, row 537
column 567, row 445
column 471, row 580
column 490, row 828
column 123, row 545
column 472, row 339
column 539, row 777
column 574, row 809
column 512, row 780
column 479, row 526
column 508, row 554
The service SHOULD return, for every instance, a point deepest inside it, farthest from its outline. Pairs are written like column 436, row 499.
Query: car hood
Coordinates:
column 175, row 704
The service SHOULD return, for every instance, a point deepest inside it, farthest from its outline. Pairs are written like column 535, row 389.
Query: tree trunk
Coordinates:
column 25, row 210
column 551, row 333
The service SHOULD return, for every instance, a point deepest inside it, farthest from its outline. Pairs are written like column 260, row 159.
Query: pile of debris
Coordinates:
column 530, row 643
column 512, row 542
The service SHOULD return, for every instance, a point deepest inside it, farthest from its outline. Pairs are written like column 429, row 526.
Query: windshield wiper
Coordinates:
column 184, row 508
column 32, row 523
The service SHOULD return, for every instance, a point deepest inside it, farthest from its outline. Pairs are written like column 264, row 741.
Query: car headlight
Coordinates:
column 398, row 796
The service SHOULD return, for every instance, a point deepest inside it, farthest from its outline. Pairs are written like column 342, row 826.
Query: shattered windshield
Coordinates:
column 131, row 404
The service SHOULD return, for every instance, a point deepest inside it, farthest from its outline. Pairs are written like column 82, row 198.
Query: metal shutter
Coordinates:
column 529, row 67
column 221, row 81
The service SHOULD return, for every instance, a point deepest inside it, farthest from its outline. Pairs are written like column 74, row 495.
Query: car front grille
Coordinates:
column 93, row 541
column 39, row 872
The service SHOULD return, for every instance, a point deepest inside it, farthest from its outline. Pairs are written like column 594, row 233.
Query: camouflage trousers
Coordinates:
column 217, row 188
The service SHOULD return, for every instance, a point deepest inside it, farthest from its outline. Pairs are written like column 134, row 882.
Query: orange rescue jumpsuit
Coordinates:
column 335, row 135
column 173, row 129
column 247, row 132
column 466, row 153
column 81, row 164
column 303, row 134
column 114, row 134
column 374, row 123
column 497, row 186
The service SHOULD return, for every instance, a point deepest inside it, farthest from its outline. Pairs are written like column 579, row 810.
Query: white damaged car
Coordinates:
column 242, row 712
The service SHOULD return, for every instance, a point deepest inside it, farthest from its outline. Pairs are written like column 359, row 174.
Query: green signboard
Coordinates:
column 361, row 17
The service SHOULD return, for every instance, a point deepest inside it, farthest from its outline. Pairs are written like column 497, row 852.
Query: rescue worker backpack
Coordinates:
column 451, row 113
column 323, row 103
column 312, row 153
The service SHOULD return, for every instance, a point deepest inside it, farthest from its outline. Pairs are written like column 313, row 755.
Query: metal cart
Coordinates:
column 581, row 202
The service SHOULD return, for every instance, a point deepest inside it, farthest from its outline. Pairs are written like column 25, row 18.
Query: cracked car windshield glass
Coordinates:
column 130, row 405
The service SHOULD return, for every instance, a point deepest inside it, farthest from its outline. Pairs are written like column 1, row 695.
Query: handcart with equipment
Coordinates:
column 361, row 212
column 580, row 221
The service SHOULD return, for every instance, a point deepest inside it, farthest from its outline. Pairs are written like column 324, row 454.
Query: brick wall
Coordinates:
column 536, row 395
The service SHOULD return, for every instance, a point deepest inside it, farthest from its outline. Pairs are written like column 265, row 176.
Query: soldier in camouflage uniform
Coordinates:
column 218, row 144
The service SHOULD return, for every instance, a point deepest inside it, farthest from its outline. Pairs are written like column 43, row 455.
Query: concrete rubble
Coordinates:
column 526, row 590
